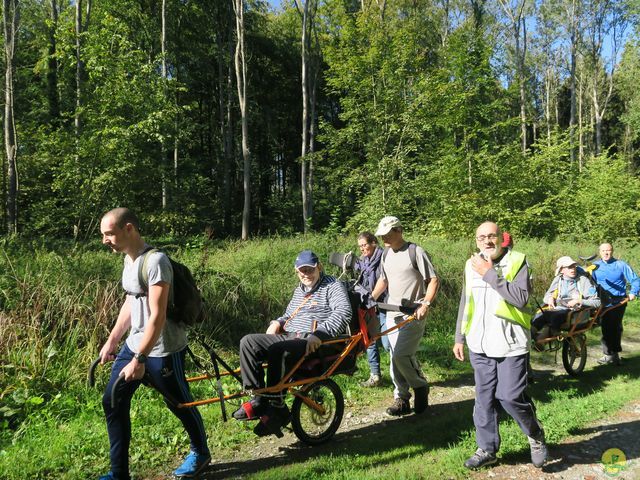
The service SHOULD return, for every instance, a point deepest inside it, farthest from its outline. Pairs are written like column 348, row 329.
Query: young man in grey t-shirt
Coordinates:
column 155, row 348
column 404, row 283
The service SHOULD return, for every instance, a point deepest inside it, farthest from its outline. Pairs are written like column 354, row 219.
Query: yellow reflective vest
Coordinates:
column 514, row 261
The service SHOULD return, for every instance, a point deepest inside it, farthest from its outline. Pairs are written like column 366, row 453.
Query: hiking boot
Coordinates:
column 272, row 421
column 193, row 465
column 609, row 360
column 399, row 407
column 251, row 410
column 538, row 450
column 480, row 459
column 420, row 399
column 373, row 381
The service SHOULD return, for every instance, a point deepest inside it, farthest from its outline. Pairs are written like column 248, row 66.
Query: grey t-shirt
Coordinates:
column 403, row 280
column 173, row 337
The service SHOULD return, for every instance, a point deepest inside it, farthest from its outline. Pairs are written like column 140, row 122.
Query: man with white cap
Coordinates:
column 613, row 275
column 319, row 310
column 571, row 289
column 408, row 276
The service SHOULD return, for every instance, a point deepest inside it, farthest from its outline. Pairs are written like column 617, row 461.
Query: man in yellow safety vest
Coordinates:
column 494, row 322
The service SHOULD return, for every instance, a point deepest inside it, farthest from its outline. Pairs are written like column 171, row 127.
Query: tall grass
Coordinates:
column 58, row 303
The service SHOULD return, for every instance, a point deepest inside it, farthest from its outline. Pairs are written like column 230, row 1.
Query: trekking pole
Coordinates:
column 91, row 376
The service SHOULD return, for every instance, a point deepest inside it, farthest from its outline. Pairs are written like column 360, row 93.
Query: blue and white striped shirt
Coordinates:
column 327, row 305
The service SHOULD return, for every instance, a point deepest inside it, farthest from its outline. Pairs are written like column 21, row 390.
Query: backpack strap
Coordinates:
column 412, row 256
column 143, row 274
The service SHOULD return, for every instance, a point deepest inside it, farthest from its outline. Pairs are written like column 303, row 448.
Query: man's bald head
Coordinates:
column 605, row 251
column 121, row 216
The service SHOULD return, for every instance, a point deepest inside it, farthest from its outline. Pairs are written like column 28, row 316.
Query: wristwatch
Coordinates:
column 427, row 303
column 141, row 357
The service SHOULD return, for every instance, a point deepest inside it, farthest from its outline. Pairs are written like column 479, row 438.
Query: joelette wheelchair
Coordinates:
column 318, row 404
column 571, row 338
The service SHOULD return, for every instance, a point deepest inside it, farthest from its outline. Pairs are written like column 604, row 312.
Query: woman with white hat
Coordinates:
column 571, row 289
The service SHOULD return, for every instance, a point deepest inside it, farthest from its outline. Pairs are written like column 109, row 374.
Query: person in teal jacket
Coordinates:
column 613, row 276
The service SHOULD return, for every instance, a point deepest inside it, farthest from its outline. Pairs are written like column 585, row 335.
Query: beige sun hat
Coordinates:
column 565, row 261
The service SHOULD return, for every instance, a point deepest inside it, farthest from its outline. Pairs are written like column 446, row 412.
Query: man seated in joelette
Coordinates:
column 319, row 310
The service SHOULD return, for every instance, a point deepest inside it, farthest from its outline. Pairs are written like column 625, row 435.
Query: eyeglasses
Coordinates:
column 306, row 270
column 364, row 245
column 491, row 236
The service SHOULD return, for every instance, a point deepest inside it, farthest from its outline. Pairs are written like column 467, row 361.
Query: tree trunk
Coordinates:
column 307, row 12
column 580, row 126
column 81, row 27
column 547, row 103
column 517, row 18
column 304, row 57
column 573, row 34
column 229, row 144
column 163, row 147
column 11, row 16
column 52, row 66
column 241, row 82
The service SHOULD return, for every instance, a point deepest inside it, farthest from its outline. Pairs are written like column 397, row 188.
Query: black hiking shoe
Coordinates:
column 251, row 410
column 420, row 399
column 480, row 459
column 399, row 407
column 272, row 421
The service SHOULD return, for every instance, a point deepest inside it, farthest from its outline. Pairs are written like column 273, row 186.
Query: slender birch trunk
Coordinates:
column 11, row 18
column 241, row 82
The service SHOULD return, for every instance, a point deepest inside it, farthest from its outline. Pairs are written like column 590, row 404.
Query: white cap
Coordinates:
column 386, row 224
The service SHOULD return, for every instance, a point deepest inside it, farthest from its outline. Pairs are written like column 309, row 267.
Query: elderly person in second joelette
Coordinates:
column 571, row 289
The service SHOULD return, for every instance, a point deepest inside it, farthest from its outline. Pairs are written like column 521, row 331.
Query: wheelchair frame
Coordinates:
column 318, row 405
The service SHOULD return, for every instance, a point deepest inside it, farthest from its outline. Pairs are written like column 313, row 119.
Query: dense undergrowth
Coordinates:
column 58, row 302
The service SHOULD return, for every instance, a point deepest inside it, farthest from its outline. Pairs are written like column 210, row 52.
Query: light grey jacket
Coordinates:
column 568, row 289
column 489, row 334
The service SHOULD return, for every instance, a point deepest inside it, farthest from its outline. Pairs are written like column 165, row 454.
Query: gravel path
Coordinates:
column 576, row 458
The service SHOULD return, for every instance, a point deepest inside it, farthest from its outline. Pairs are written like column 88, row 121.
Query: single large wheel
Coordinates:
column 574, row 353
column 317, row 420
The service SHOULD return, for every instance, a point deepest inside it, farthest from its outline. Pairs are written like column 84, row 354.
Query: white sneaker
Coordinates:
column 373, row 381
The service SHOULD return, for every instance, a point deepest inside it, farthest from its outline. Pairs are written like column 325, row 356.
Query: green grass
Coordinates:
column 58, row 303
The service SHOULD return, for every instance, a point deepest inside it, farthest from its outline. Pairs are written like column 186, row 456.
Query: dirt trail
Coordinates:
column 576, row 458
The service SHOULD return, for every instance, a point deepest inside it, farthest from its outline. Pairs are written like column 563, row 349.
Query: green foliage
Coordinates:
column 59, row 301
column 604, row 201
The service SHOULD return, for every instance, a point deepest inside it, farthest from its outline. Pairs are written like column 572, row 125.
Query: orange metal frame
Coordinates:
column 573, row 329
column 296, row 387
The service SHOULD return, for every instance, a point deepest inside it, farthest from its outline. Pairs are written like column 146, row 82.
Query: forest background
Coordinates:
column 243, row 119
column 225, row 120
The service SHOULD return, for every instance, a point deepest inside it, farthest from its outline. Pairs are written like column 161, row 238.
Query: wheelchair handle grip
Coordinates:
column 118, row 381
column 91, row 376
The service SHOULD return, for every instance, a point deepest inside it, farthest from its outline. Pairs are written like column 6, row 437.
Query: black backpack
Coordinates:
column 185, row 301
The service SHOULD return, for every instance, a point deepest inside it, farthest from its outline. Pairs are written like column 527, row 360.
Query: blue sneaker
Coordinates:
column 192, row 465
column 108, row 476
column 111, row 476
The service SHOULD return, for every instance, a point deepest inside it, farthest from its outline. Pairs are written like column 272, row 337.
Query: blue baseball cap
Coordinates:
column 306, row 258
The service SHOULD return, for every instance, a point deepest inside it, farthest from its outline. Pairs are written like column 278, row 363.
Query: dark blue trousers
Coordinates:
column 501, row 382
column 167, row 374
column 612, row 330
